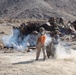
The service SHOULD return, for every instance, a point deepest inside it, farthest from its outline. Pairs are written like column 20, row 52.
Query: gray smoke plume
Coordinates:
column 63, row 50
column 14, row 41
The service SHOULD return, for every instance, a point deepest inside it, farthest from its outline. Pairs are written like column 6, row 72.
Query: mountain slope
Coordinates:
column 39, row 9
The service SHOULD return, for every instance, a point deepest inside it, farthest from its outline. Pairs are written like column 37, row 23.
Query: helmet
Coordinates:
column 42, row 30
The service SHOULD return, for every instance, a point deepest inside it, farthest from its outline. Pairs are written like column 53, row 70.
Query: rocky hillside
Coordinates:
column 39, row 9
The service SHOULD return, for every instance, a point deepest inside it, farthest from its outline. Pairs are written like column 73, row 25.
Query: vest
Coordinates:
column 42, row 39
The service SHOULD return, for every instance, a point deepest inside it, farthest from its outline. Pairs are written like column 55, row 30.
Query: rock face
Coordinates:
column 38, row 9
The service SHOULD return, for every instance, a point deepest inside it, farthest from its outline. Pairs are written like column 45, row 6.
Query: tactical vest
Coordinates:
column 42, row 39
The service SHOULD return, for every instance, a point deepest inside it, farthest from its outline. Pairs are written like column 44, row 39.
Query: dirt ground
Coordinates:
column 17, row 63
column 25, row 64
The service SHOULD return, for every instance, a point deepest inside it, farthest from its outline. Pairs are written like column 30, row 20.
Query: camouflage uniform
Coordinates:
column 55, row 35
column 40, row 46
column 50, row 49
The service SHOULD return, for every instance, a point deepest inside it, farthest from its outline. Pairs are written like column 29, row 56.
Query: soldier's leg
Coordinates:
column 53, row 49
column 43, row 50
column 38, row 53
column 44, row 56
column 48, row 50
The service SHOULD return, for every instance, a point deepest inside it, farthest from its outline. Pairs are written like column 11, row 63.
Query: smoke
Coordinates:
column 48, row 39
column 6, row 40
column 14, row 40
column 18, row 41
column 62, row 49
column 21, row 44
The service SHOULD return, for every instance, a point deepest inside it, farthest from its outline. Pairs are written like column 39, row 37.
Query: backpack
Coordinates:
column 42, row 39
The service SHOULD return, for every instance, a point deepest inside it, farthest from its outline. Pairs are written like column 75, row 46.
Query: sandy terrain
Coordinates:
column 18, row 63
column 25, row 64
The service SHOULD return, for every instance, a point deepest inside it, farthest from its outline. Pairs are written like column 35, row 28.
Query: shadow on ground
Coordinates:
column 27, row 62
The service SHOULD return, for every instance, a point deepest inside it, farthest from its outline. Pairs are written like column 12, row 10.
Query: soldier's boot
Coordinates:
column 48, row 56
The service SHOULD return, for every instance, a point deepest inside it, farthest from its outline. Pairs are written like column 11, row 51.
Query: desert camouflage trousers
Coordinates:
column 39, row 48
